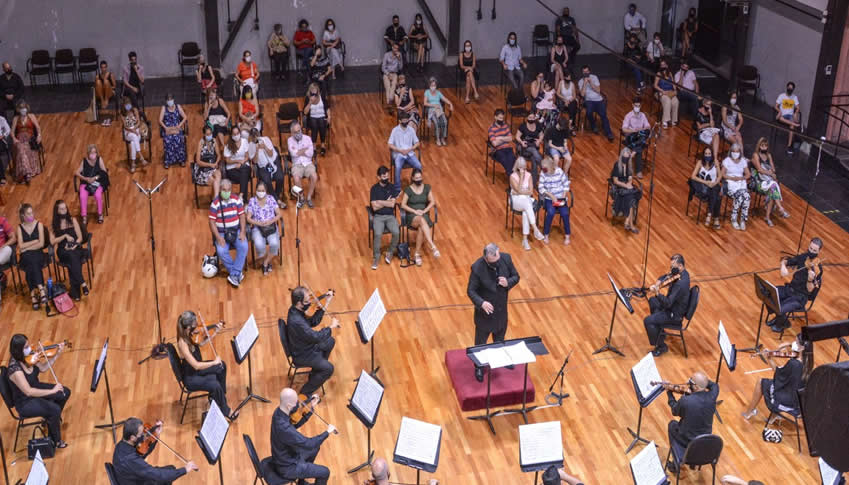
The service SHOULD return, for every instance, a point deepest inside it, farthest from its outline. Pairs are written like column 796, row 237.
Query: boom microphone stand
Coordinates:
column 808, row 205
column 158, row 351
column 653, row 135
column 300, row 193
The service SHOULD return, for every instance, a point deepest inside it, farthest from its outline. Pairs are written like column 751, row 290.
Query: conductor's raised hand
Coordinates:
column 487, row 307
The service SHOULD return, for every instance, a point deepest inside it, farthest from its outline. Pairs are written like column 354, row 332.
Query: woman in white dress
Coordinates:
column 332, row 46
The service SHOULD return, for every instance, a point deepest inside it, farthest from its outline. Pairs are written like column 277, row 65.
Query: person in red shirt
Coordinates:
column 304, row 41
column 247, row 73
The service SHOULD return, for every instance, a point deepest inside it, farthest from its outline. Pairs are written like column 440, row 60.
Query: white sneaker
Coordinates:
column 525, row 245
column 735, row 225
column 233, row 281
column 742, row 225
column 539, row 235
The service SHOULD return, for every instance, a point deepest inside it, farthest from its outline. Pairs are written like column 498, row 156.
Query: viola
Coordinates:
column 811, row 263
column 302, row 409
column 686, row 388
column 782, row 353
column 46, row 351
column 151, row 436
column 203, row 332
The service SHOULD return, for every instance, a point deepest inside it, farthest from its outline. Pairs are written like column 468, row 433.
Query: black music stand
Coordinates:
column 728, row 353
column 418, row 465
column 643, row 401
column 537, row 467
column 646, row 466
column 366, row 392
column 368, row 320
column 625, row 301
column 767, row 293
column 98, row 370
column 242, row 345
column 212, row 419
column 3, row 457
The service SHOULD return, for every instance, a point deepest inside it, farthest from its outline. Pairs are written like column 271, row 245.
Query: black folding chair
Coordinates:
column 6, row 393
column 177, row 368
column 679, row 329
column 264, row 469
column 702, row 450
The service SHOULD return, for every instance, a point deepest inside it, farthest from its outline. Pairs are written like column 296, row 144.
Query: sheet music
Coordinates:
column 540, row 443
column 38, row 472
column 520, row 353
column 418, row 441
column 494, row 357
column 367, row 395
column 646, row 467
column 102, row 360
column 372, row 314
column 725, row 345
column 247, row 336
column 214, row 429
column 645, row 371
column 829, row 475
column 497, row 357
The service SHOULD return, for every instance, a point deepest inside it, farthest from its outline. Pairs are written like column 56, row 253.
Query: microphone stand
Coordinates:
column 158, row 351
column 556, row 398
column 298, row 233
column 808, row 205
column 655, row 134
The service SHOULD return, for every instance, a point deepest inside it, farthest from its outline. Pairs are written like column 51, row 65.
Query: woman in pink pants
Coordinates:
column 93, row 180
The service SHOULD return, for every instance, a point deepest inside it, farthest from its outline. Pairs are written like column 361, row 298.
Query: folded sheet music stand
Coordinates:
column 618, row 297
column 533, row 433
column 643, row 401
column 98, row 370
column 399, row 456
column 211, row 437
column 767, row 293
column 242, row 345
column 368, row 392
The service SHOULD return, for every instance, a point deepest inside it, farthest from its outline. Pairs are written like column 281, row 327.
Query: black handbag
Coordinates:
column 34, row 144
column 230, row 235
column 268, row 230
column 44, row 444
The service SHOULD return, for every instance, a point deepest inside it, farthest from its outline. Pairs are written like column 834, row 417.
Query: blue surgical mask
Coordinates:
column 27, row 351
column 128, row 107
column 208, row 137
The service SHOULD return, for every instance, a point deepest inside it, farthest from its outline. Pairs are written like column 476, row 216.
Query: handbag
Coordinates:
column 34, row 144
column 230, row 235
column 772, row 435
column 268, row 230
column 44, row 445
column 62, row 300
column 404, row 254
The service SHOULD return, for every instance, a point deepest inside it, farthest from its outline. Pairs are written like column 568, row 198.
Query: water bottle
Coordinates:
column 49, row 288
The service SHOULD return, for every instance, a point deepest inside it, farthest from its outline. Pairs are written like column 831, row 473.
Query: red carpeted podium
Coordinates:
column 506, row 386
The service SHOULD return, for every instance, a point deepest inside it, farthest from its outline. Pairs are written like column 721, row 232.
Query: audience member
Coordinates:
column 304, row 41
column 278, row 51
column 8, row 238
column 395, row 35
column 655, row 51
column 435, row 113
column 382, row 199
column 237, row 167
column 468, row 64
column 557, row 142
column 732, row 121
column 766, row 181
column 418, row 40
column 594, row 101
column 634, row 23
column 553, row 189
column 405, row 102
column 666, row 89
column 205, row 169
column 104, row 85
column 68, row 238
column 32, row 238
column 634, row 53
column 269, row 169
column 26, row 143
column 391, row 67
column 687, row 79
column 417, row 200
column 735, row 172
column 705, row 184
column 205, row 76
column 317, row 113
column 263, row 213
column 788, row 113
column 247, row 73
column 133, row 124
column 708, row 132
column 522, row 200
column 512, row 62
column 403, row 143
column 12, row 90
column 249, row 116
column 567, row 95
column 625, row 191
column 566, row 26
column 332, row 43
column 545, row 101
column 559, row 59
column 94, row 181
column 502, row 142
column 227, row 224
column 636, row 128
column 172, row 120
column 301, row 151
column 689, row 28
column 133, row 79
column 320, row 68
column 6, row 142
column 554, row 475
column 217, row 117
column 528, row 139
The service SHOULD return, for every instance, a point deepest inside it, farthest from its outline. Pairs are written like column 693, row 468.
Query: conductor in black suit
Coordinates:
column 491, row 278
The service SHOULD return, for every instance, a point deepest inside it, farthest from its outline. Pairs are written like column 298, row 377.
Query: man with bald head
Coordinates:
column 11, row 90
column 380, row 473
column 695, row 409
column 293, row 454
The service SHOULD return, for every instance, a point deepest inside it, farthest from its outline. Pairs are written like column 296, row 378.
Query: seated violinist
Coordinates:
column 781, row 392
column 667, row 310
column 696, row 409
column 805, row 274
column 554, row 475
column 293, row 454
column 380, row 474
column 310, row 348
column 128, row 459
column 31, row 397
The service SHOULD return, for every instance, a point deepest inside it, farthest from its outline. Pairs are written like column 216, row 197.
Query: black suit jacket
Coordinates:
column 696, row 411
column 483, row 286
column 303, row 340
column 131, row 469
column 677, row 298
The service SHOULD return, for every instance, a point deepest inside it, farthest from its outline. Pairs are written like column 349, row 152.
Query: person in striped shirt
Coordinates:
column 227, row 224
column 502, row 141
column 553, row 189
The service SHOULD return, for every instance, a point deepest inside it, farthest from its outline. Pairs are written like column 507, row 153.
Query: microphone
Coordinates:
column 158, row 186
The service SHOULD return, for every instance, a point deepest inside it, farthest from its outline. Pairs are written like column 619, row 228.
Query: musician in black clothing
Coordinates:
column 696, row 410
column 667, row 310
column 491, row 278
column 130, row 465
column 781, row 392
column 801, row 289
column 309, row 347
column 293, row 454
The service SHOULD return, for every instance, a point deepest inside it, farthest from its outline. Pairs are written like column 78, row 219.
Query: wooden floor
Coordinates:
column 561, row 296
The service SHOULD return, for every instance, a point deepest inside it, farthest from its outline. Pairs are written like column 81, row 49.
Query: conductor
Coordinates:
column 492, row 276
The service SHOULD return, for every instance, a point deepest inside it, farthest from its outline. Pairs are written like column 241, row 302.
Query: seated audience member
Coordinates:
column 382, row 199
column 655, row 51
column 249, row 117
column 27, row 139
column 418, row 40
column 567, row 96
column 304, row 41
column 435, row 113
column 803, row 286
column 317, row 114
column 237, row 166
column 104, row 85
column 172, row 120
column 32, row 238
column 403, row 143
column 512, row 62
column 689, row 27
column 708, row 132
column 545, row 102
column 735, row 172
column 705, row 184
column 94, row 181
column 557, row 142
column 227, row 224
column 5, row 148
column 332, row 43
column 247, row 73
column 732, row 480
column 766, row 181
column 634, row 53
column 395, row 35
column 553, row 189
column 634, row 23
column 566, row 26
column 502, row 142
column 553, row 476
column 7, row 240
column 268, row 165
column 380, row 474
column 133, row 79
column 405, row 102
column 217, row 117
column 689, row 97
column 625, row 191
column 263, row 213
column 391, row 67
column 68, row 239
column 278, row 51
column 469, row 65
column 666, row 89
column 559, row 59
column 133, row 124
column 522, row 200
column 11, row 90
column 636, row 129
column 528, row 140
column 205, row 76
column 732, row 121
column 417, row 201
column 781, row 392
column 320, row 68
column 594, row 102
column 205, row 170
column 301, row 151
column 787, row 113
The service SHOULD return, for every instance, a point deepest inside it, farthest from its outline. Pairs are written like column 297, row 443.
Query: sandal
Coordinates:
column 785, row 214
column 133, row 168
column 436, row 253
column 100, row 218
column 61, row 444
column 36, row 302
column 418, row 258
column 769, row 222
column 84, row 219
column 750, row 415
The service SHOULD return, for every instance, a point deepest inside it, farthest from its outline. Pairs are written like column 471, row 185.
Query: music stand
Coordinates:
column 38, row 472
column 540, row 446
column 767, row 293
column 646, row 468
column 642, row 374
column 625, row 301
column 367, row 322
column 828, row 475
column 210, row 438
column 365, row 404
column 242, row 345
column 98, row 370
column 418, row 445
column 727, row 353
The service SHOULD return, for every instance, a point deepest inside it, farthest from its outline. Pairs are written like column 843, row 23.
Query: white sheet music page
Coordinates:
column 367, row 395
column 520, row 353
column 102, row 360
column 494, row 357
column 418, row 441
column 646, row 466
column 725, row 343
column 38, row 472
column 645, row 372
column 829, row 475
column 214, row 429
column 246, row 337
column 372, row 314
column 540, row 443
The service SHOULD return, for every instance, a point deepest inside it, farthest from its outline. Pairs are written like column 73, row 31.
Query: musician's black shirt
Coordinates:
column 676, row 299
column 131, row 469
column 696, row 411
column 799, row 283
column 288, row 446
column 303, row 340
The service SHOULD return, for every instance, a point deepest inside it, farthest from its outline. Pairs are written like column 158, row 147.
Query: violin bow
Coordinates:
column 206, row 332
column 312, row 410
column 317, row 300
column 49, row 365
column 169, row 448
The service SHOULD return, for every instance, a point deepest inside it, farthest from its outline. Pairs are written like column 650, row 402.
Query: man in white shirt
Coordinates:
column 636, row 129
column 403, row 143
column 301, row 151
column 590, row 89
column 634, row 23
column 687, row 78
column 512, row 62
column 5, row 148
column 264, row 156
column 787, row 113
column 391, row 66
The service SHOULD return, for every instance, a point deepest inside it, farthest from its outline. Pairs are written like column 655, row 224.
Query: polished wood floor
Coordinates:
column 562, row 296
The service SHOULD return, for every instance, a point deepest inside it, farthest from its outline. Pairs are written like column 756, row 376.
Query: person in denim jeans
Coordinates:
column 382, row 199
column 263, row 213
column 590, row 90
column 227, row 213
column 403, row 143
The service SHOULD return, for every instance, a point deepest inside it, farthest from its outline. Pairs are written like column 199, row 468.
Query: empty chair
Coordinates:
column 541, row 38
column 703, row 450
column 64, row 63
column 39, row 64
column 187, row 56
column 87, row 62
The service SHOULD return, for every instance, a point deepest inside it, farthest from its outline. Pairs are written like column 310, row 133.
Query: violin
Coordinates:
column 329, row 295
column 782, row 353
column 811, row 263
column 302, row 409
column 686, row 388
column 203, row 332
column 47, row 350
column 143, row 446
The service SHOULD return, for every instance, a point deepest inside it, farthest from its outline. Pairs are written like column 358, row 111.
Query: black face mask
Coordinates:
column 8, row 72
column 306, row 305
column 394, row 24
column 418, row 182
column 674, row 270
column 567, row 79
column 764, row 150
column 789, row 91
column 405, row 123
column 401, row 85
column 500, row 122
column 383, row 182
column 708, row 159
column 585, row 74
column 560, row 42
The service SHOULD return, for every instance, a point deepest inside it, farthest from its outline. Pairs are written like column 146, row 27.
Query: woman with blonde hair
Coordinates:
column 766, row 181
column 521, row 198
column 626, row 196
column 94, row 180
column 26, row 142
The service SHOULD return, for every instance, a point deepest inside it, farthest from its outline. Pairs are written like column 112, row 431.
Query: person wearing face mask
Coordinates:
column 268, row 163
column 732, row 121
column 67, row 237
column 205, row 169
column 418, row 40
column 217, row 117
column 787, row 113
column 469, row 65
column 655, row 51
column 559, row 59
column 501, row 142
column 667, row 310
column 528, row 138
column 278, row 51
column 566, row 26
column 263, row 213
column 708, row 132
column 705, row 184
column 689, row 27
column 780, row 393
column 696, row 409
column 594, row 101
column 416, row 203
column 332, row 43
column 805, row 281
column 556, row 141
column 31, row 397
column 553, row 189
column 391, row 67
column 766, row 181
column 304, row 41
column 309, row 347
column 636, row 128
column 130, row 465
column 134, row 80
column 93, row 180
column 133, row 123
column 293, row 454
column 522, row 200
column 32, row 239
column 172, row 120
column 512, row 62
column 544, row 101
column 735, row 172
column 437, row 116
column 664, row 86
column 403, row 143
column 237, row 165
column 205, row 76
column 249, row 111
column 26, row 143
column 8, row 239
column 104, row 85
column 634, row 53
column 320, row 68
column 301, row 152
column 567, row 93
column 5, row 148
column 634, row 23
column 395, row 35
column 11, row 91
column 247, row 73
column 317, row 113
column 626, row 193
column 382, row 200
column 687, row 79
column 405, row 102
column 227, row 224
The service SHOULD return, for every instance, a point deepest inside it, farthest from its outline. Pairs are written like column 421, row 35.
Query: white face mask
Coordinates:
column 260, row 195
column 468, row 48
column 795, row 347
column 247, row 58
column 128, row 107
column 418, row 22
column 170, row 103
column 27, row 351
column 733, row 101
column 331, row 27
column 512, row 41
column 245, row 135
column 298, row 136
column 636, row 109
column 735, row 155
column 23, row 112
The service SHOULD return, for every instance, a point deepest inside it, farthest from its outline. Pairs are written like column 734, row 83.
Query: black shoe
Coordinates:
column 660, row 350
column 672, row 467
column 479, row 374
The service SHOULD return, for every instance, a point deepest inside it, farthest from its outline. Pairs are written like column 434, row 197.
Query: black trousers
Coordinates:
column 322, row 369
column 318, row 128
column 306, row 469
column 278, row 179
column 212, row 380
column 657, row 321
column 279, row 62
column 790, row 301
column 32, row 263
column 712, row 195
column 74, row 259
column 48, row 407
column 572, row 109
column 482, row 334
column 241, row 176
column 134, row 96
column 5, row 154
column 672, row 432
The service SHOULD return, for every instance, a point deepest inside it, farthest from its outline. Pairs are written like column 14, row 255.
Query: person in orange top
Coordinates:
column 247, row 73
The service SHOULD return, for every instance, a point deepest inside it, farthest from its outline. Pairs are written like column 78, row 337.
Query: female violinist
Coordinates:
column 780, row 392
column 31, row 397
column 128, row 459
column 198, row 374
column 804, row 272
